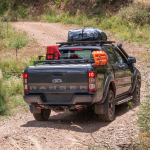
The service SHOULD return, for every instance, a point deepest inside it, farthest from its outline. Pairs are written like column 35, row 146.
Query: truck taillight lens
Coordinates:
column 25, row 81
column 92, row 80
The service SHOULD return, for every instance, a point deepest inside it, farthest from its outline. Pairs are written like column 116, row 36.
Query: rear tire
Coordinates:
column 110, row 115
column 43, row 116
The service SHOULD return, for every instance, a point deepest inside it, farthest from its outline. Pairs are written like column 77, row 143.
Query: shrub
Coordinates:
column 14, row 85
column 11, row 87
column 3, row 103
column 135, row 14
column 22, row 12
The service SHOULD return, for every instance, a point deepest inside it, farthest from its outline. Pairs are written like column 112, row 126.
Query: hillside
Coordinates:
column 128, row 20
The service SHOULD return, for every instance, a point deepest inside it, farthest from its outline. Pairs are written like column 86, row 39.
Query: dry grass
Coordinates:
column 145, row 138
column 11, row 68
column 141, row 3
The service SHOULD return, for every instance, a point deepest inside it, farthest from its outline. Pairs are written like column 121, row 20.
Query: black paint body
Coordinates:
column 72, row 88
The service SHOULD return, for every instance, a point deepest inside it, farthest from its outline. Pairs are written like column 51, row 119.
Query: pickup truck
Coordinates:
column 74, row 80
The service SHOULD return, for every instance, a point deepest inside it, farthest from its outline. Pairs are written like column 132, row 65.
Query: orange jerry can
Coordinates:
column 100, row 57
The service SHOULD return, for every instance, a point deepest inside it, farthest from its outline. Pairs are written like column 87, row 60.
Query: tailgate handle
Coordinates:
column 56, row 74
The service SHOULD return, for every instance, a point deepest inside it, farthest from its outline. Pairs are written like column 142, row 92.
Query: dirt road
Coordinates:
column 81, row 130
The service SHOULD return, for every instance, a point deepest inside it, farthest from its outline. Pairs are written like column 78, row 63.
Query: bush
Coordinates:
column 14, row 85
column 3, row 103
column 11, row 87
column 22, row 12
column 136, row 15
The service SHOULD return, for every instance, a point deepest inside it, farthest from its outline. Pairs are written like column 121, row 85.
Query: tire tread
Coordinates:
column 43, row 116
column 105, row 117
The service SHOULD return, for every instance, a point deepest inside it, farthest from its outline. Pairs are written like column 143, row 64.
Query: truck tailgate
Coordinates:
column 68, row 78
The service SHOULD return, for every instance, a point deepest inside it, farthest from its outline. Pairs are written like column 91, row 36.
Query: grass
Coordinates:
column 11, row 86
column 10, row 38
column 11, row 68
column 130, row 24
column 3, row 96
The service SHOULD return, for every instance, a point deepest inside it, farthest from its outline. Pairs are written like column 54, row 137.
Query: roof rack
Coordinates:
column 62, row 61
column 101, row 42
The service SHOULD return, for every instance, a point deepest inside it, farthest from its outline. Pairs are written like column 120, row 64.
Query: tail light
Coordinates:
column 92, row 80
column 25, row 81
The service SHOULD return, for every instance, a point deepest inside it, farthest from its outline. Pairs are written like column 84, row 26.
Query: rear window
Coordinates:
column 76, row 54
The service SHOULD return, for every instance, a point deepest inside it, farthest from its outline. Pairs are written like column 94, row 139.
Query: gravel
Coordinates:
column 67, row 131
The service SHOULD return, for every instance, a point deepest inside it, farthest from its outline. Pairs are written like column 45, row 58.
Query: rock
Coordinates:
column 96, row 145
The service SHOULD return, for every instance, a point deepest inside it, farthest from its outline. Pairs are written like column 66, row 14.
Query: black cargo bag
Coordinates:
column 86, row 34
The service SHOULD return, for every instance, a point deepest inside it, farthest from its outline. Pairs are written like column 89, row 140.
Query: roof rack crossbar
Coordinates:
column 86, row 42
column 63, row 61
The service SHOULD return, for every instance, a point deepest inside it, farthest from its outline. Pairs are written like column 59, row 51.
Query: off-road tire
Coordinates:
column 110, row 115
column 136, row 94
column 43, row 116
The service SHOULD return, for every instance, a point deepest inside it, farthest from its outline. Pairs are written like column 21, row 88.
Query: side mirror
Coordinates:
column 131, row 60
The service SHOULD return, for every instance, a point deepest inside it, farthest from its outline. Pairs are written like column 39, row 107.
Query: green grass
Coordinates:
column 10, row 64
column 11, row 93
column 11, row 84
column 10, row 38
column 3, row 99
column 131, row 24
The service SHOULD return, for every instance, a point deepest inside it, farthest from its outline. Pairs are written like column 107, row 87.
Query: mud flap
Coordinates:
column 34, row 109
column 101, row 108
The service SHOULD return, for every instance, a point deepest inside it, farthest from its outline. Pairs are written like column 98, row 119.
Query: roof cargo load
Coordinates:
column 86, row 34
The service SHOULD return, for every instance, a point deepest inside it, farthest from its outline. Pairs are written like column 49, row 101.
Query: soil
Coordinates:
column 67, row 130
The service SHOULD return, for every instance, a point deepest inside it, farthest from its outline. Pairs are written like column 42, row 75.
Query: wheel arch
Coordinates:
column 137, row 76
column 109, row 84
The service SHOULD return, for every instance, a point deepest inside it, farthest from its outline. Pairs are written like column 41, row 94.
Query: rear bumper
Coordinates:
column 76, row 100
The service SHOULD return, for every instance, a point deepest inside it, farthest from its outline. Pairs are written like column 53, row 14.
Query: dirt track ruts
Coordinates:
column 81, row 130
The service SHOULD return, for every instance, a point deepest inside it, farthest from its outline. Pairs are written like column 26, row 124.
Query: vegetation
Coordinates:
column 11, row 68
column 130, row 23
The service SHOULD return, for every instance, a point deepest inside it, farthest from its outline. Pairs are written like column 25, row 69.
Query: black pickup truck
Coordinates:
column 70, row 83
